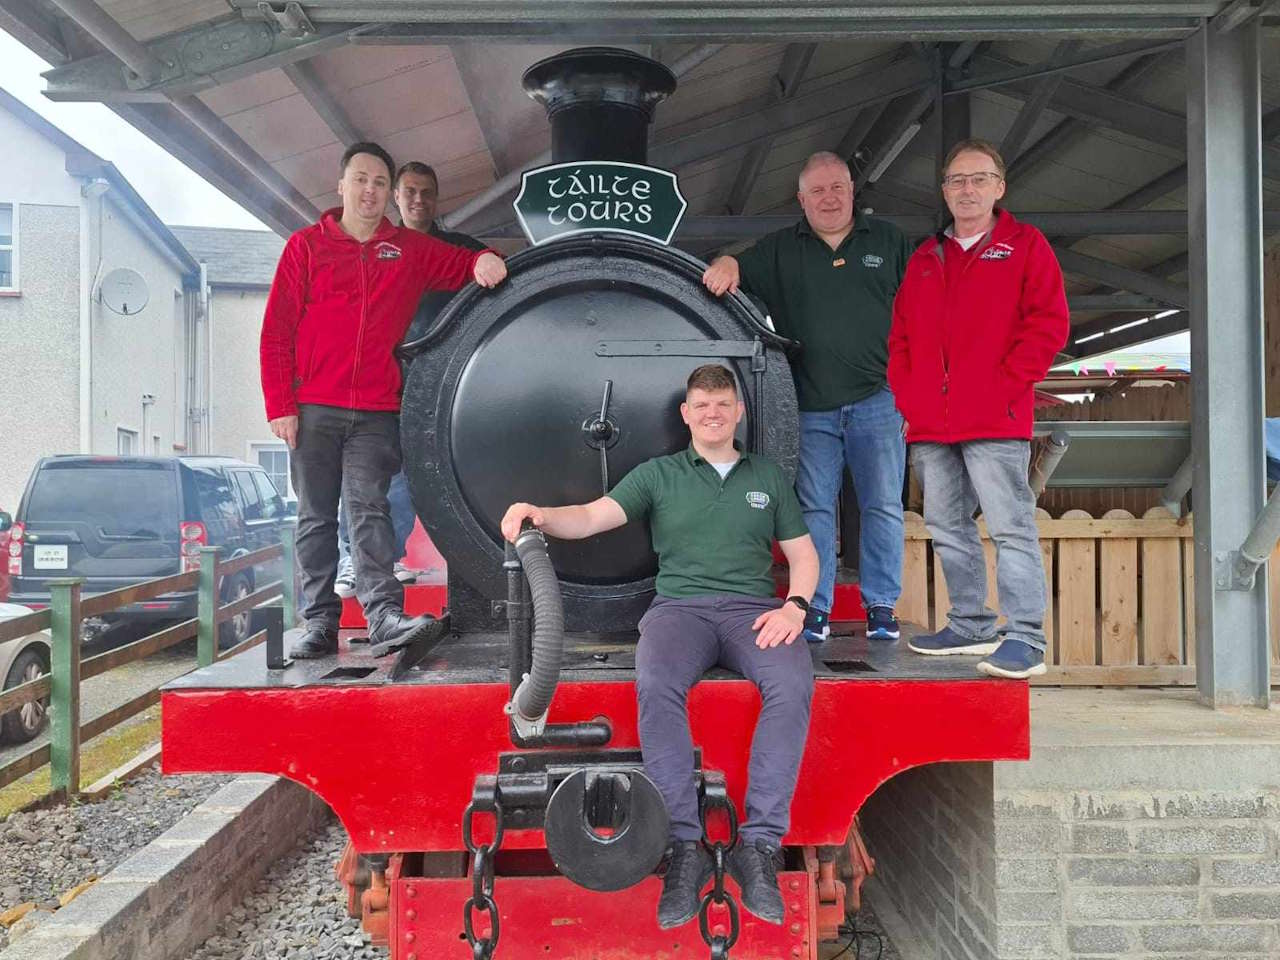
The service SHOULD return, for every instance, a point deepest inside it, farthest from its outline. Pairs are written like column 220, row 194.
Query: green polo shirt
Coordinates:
column 838, row 304
column 712, row 535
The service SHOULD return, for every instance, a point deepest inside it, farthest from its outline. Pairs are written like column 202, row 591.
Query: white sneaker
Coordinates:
column 404, row 574
column 345, row 584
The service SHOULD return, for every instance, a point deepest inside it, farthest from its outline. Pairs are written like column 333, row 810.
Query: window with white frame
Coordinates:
column 8, row 247
column 126, row 442
column 274, row 459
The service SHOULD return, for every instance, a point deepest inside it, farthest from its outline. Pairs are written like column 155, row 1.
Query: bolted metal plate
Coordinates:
column 226, row 46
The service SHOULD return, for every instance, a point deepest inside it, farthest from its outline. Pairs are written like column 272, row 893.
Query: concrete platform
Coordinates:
column 1144, row 825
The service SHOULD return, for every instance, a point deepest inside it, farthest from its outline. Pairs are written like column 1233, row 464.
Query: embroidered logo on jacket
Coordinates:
column 997, row 251
column 872, row 261
column 758, row 499
column 388, row 251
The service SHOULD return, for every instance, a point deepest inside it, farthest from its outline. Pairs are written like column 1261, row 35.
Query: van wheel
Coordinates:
column 238, row 628
column 24, row 722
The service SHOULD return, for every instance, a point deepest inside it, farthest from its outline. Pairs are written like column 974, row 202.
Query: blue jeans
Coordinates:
column 957, row 479
column 402, row 517
column 866, row 435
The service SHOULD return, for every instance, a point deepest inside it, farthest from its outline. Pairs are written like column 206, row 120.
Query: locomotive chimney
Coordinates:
column 600, row 102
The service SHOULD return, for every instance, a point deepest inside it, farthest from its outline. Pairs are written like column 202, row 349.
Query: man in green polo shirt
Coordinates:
column 829, row 282
column 713, row 512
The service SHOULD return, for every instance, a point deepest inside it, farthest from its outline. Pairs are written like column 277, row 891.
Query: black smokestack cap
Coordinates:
column 600, row 102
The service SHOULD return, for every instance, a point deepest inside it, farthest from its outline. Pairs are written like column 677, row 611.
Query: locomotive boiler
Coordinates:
column 491, row 784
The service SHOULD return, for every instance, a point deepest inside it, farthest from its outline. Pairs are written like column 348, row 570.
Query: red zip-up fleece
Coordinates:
column 972, row 333
column 338, row 308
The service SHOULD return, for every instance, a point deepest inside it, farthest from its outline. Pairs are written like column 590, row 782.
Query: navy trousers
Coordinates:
column 679, row 641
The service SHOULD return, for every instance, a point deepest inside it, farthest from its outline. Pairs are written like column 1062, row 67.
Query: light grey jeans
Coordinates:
column 957, row 478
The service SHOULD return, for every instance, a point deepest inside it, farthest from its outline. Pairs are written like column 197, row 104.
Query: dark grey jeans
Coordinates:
column 352, row 455
column 957, row 478
column 679, row 641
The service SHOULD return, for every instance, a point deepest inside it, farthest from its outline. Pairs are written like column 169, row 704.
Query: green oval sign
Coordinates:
column 599, row 195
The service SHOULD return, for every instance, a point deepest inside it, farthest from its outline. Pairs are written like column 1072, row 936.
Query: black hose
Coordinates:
column 534, row 696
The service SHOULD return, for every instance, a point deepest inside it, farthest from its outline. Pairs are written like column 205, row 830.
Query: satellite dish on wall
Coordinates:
column 124, row 291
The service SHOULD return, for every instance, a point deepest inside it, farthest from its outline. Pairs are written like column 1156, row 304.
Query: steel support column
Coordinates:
column 1223, row 143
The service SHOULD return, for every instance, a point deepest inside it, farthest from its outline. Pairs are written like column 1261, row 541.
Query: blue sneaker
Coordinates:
column 816, row 626
column 947, row 642
column 882, row 624
column 1015, row 659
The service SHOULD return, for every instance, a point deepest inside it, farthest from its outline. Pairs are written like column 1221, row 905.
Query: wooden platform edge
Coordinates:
column 126, row 771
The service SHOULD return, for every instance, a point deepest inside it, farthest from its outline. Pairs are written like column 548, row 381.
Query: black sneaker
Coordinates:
column 396, row 631
column 316, row 642
column 816, row 626
column 688, row 870
column 755, row 868
column 882, row 624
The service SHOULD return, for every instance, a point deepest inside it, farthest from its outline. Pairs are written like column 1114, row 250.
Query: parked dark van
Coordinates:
column 116, row 521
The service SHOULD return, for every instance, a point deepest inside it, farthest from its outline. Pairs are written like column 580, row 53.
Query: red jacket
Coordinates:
column 973, row 332
column 339, row 307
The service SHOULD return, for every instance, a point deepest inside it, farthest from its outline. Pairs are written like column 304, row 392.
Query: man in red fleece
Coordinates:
column 977, row 321
column 343, row 296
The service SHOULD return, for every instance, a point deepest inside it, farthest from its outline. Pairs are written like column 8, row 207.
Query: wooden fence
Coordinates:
column 1121, row 599
column 67, row 609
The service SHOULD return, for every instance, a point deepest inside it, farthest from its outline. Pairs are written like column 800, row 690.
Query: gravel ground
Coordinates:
column 296, row 911
column 45, row 853
column 299, row 911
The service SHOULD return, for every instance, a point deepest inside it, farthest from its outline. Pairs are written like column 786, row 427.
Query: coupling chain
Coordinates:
column 714, row 796
column 484, row 799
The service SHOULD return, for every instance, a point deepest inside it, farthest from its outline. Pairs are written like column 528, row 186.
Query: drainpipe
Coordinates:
column 90, row 266
column 148, row 401
column 206, row 314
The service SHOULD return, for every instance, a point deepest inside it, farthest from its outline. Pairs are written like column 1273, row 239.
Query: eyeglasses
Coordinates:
column 984, row 179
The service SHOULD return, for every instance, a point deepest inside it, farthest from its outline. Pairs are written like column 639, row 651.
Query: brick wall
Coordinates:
column 169, row 896
column 986, row 873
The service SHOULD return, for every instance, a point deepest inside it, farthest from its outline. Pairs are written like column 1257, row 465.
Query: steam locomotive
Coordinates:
column 491, row 783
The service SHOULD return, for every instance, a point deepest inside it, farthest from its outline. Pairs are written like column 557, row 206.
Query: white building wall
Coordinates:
column 238, row 425
column 40, row 344
column 141, row 354
column 34, row 168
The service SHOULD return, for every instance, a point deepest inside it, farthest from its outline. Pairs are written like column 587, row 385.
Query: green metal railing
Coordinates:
column 68, row 669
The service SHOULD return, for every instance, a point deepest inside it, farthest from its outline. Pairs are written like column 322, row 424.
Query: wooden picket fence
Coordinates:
column 1121, row 600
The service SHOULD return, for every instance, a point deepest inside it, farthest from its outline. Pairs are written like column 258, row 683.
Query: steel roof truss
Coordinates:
column 191, row 61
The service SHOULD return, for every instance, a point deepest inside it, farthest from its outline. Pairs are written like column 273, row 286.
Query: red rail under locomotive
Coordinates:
column 413, row 750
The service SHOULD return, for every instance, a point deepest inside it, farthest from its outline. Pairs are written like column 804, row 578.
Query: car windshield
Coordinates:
column 126, row 501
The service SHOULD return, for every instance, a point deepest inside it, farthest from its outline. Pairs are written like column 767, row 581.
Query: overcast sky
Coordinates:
column 176, row 194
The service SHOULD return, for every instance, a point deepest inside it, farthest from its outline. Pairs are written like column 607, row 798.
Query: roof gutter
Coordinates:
column 90, row 167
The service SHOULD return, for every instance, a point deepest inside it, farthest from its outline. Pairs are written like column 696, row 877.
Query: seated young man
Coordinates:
column 713, row 513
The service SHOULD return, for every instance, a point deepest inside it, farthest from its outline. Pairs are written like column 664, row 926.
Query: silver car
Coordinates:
column 23, row 659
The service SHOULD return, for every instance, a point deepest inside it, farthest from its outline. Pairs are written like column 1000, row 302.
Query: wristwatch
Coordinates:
column 799, row 601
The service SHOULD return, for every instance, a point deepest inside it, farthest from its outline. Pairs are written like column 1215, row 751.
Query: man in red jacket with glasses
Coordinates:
column 979, row 317
column 343, row 296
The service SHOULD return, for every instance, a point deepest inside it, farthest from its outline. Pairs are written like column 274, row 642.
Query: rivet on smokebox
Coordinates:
column 411, row 914
column 795, row 884
column 411, row 891
column 795, row 928
column 410, row 937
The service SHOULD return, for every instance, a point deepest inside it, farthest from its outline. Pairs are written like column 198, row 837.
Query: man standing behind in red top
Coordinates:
column 977, row 321
column 343, row 296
